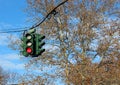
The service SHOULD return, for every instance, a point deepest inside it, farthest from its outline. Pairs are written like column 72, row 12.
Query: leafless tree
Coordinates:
column 3, row 77
column 80, row 31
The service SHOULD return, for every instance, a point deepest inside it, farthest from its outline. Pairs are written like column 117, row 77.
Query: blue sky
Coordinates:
column 12, row 16
column 12, row 12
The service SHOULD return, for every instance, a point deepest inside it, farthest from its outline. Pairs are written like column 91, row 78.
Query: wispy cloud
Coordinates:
column 11, row 56
column 8, row 65
column 4, row 26
column 50, row 47
column 7, row 26
column 11, row 62
column 4, row 39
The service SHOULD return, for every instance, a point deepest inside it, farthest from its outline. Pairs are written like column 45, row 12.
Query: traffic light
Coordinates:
column 32, row 44
column 28, row 44
column 39, row 44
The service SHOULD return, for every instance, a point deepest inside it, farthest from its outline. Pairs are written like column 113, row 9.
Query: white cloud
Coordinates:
column 11, row 56
column 7, row 26
column 11, row 62
column 4, row 26
column 4, row 39
column 8, row 65
column 51, row 47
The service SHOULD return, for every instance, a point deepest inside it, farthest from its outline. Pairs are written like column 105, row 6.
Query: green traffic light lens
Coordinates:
column 28, row 36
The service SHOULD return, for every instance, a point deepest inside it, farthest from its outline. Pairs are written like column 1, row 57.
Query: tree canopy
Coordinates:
column 80, row 32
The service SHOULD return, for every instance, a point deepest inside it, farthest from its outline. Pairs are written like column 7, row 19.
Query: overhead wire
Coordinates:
column 53, row 11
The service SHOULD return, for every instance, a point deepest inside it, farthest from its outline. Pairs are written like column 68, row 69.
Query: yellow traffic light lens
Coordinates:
column 29, row 44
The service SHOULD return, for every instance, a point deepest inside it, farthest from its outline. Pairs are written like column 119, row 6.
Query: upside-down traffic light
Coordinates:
column 28, row 44
column 32, row 44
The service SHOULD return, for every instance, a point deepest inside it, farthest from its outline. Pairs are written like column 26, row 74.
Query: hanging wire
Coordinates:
column 38, row 24
column 12, row 31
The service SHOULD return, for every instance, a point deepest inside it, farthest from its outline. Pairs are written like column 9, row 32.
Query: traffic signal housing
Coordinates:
column 28, row 44
column 39, row 44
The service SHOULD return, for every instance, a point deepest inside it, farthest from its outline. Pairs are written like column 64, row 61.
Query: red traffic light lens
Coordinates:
column 29, row 50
